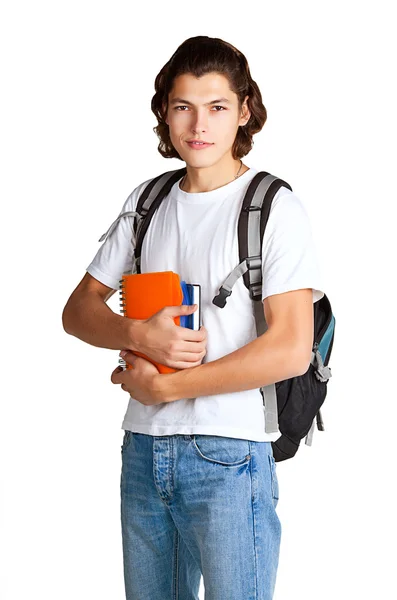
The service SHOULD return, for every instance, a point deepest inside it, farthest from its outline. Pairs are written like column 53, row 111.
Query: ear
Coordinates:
column 245, row 112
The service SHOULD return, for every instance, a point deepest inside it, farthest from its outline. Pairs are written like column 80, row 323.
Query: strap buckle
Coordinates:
column 254, row 259
column 249, row 208
column 220, row 299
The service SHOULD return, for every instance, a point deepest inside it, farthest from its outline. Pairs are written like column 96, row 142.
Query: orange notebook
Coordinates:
column 144, row 294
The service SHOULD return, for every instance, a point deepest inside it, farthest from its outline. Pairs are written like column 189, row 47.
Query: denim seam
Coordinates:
column 171, row 468
column 176, row 565
column 253, row 520
column 272, row 478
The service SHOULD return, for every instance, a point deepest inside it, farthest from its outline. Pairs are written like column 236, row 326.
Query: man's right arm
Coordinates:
column 87, row 316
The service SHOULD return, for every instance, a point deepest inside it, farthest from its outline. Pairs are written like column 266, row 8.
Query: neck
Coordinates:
column 206, row 179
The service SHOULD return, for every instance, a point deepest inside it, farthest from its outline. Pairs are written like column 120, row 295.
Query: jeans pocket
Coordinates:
column 274, row 479
column 225, row 451
column 126, row 440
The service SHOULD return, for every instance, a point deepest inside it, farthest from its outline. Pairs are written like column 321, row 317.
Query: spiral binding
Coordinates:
column 123, row 311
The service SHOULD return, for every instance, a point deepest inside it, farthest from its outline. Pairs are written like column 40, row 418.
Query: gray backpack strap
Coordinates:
column 152, row 191
column 268, row 392
column 254, row 242
column 251, row 260
column 309, row 436
column 320, row 426
column 253, row 218
column 148, row 202
column 322, row 372
column 129, row 213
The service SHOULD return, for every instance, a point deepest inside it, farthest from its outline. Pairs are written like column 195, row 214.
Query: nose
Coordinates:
column 199, row 122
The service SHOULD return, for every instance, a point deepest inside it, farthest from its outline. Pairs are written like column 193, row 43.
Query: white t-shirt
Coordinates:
column 195, row 235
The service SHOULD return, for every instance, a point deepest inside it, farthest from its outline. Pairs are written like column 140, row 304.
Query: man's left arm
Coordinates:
column 282, row 352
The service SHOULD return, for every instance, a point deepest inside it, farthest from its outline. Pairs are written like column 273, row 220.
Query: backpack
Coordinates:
column 291, row 406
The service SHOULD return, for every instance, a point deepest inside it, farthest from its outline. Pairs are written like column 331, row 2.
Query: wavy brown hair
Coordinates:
column 198, row 56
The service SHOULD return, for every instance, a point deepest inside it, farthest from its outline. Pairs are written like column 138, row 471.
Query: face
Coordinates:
column 193, row 114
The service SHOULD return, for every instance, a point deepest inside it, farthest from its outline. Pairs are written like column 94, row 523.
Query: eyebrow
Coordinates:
column 182, row 101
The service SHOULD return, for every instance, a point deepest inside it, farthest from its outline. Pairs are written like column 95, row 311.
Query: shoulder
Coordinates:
column 132, row 200
column 288, row 206
column 286, row 203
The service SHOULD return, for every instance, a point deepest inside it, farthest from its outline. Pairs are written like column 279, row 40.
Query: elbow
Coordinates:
column 302, row 361
column 66, row 318
column 64, row 321
column 303, row 369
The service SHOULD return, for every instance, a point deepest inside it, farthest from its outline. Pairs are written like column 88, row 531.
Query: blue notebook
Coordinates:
column 191, row 295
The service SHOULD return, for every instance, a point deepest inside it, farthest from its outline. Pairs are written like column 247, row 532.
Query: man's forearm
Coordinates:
column 269, row 358
column 90, row 319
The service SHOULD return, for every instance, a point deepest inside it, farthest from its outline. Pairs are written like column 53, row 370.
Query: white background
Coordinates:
column 76, row 138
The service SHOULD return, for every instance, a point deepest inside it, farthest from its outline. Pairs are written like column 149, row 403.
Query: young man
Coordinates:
column 199, row 487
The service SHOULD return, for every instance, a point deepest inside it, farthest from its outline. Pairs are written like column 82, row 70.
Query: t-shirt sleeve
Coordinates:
column 116, row 255
column 289, row 254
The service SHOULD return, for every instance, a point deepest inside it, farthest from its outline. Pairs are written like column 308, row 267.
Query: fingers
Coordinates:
column 188, row 359
column 185, row 351
column 191, row 348
column 189, row 365
column 190, row 335
column 113, row 377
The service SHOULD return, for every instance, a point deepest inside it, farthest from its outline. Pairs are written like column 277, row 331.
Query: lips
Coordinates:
column 198, row 145
column 198, row 141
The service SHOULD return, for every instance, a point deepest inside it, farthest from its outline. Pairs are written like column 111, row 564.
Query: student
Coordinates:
column 199, row 487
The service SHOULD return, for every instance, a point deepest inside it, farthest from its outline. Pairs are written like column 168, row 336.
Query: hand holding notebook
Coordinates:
column 162, row 302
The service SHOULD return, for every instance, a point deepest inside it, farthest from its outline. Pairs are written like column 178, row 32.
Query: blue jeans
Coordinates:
column 195, row 505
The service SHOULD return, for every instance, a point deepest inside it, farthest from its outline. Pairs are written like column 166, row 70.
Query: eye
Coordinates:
column 183, row 106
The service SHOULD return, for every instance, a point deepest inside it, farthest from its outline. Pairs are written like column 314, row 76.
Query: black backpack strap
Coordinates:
column 252, row 222
column 148, row 203
column 253, row 219
column 155, row 191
